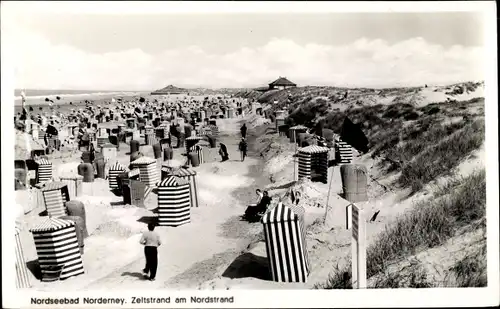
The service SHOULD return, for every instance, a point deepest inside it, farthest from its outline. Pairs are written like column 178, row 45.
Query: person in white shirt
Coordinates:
column 151, row 241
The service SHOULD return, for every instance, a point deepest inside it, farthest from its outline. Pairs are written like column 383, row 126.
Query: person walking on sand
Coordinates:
column 151, row 242
column 243, row 149
column 243, row 130
column 223, row 152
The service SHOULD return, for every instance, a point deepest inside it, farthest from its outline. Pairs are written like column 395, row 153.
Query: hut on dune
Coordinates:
column 281, row 84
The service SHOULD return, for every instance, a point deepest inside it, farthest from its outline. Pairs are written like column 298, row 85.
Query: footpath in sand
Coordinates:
column 203, row 249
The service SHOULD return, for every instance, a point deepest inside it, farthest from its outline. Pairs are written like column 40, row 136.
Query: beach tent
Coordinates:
column 313, row 163
column 74, row 184
column 284, row 233
column 57, row 248
column 174, row 202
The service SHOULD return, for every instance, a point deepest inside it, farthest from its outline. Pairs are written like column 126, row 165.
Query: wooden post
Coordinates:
column 295, row 164
column 348, row 217
column 358, row 247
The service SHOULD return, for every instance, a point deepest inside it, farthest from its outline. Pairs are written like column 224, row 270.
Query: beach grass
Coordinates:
column 454, row 207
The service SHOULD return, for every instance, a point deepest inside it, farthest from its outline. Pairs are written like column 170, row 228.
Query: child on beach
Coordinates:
column 151, row 241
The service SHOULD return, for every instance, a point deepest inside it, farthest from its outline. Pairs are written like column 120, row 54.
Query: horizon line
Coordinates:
column 255, row 87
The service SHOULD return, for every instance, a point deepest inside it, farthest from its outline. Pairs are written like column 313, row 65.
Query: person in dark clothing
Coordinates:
column 24, row 115
column 297, row 197
column 92, row 152
column 243, row 149
column 151, row 241
column 223, row 152
column 253, row 213
column 243, row 130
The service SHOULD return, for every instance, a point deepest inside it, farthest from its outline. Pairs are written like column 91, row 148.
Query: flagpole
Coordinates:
column 328, row 196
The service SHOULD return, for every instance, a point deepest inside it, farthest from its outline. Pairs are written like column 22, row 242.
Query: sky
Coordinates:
column 147, row 52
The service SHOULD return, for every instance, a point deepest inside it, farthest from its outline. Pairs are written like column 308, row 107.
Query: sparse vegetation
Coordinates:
column 443, row 156
column 471, row 270
column 421, row 144
column 413, row 141
column 307, row 113
column 340, row 279
column 411, row 277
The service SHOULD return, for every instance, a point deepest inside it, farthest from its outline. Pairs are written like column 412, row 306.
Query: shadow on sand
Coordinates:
column 134, row 274
column 284, row 186
column 148, row 220
column 248, row 265
column 34, row 268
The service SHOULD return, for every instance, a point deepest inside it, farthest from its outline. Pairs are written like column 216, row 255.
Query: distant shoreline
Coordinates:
column 65, row 99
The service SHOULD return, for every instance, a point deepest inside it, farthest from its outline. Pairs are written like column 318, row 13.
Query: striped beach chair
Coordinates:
column 102, row 140
column 43, row 171
column 74, row 183
column 41, row 136
column 55, row 195
column 198, row 149
column 214, row 131
column 114, row 170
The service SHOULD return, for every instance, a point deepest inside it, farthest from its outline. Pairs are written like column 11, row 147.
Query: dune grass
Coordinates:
column 436, row 221
column 411, row 277
column 428, row 225
column 471, row 270
column 422, row 143
column 416, row 141
column 340, row 278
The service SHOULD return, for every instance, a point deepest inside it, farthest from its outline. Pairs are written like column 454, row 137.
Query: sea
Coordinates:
column 36, row 97
column 43, row 93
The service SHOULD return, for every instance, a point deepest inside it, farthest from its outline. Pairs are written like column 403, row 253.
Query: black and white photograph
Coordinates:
column 177, row 149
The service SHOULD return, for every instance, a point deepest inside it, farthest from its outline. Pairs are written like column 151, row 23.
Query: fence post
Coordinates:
column 348, row 217
column 358, row 247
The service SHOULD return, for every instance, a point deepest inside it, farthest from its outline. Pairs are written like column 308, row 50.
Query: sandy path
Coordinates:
column 202, row 250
